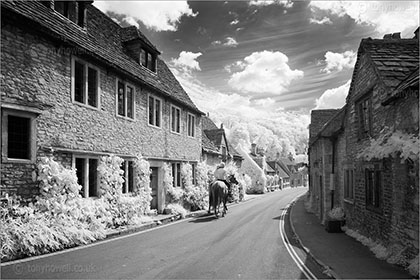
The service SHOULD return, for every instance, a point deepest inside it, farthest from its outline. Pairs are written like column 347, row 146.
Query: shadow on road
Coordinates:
column 205, row 219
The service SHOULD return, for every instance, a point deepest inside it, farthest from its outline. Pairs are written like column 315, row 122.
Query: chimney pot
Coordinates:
column 396, row 35
column 221, row 126
column 387, row 36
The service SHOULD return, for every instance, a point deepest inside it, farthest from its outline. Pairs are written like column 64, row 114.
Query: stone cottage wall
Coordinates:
column 396, row 222
column 34, row 69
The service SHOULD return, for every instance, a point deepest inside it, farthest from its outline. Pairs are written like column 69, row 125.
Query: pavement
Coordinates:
column 340, row 255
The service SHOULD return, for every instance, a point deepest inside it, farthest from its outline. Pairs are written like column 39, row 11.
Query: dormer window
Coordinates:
column 73, row 10
column 147, row 60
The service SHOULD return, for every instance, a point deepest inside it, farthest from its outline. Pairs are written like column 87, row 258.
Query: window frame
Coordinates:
column 148, row 53
column 376, row 189
column 179, row 119
column 86, row 67
column 191, row 130
column 126, row 185
column 86, row 174
column 176, row 174
column 154, row 111
column 349, row 184
column 363, row 131
column 80, row 22
column 126, row 85
column 5, row 112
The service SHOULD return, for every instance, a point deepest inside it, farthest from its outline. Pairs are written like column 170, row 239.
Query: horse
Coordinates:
column 218, row 193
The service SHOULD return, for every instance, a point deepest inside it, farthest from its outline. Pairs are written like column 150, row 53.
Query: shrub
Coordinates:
column 177, row 209
column 143, row 190
column 336, row 214
column 173, row 194
column 195, row 197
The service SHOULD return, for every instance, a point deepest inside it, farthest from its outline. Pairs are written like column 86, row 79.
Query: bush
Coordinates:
column 177, row 209
column 195, row 197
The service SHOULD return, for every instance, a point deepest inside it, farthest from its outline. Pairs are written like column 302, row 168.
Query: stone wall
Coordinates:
column 36, row 70
column 396, row 222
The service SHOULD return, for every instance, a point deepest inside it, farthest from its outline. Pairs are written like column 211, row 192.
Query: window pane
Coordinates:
column 92, row 87
column 80, row 173
column 173, row 119
column 80, row 13
column 71, row 12
column 192, row 126
column 61, row 7
column 178, row 174
column 377, row 190
column 151, row 110
column 93, row 177
column 19, row 134
column 121, row 99
column 178, row 120
column 130, row 102
column 124, row 175
column 150, row 62
column 157, row 112
column 174, row 174
column 79, row 77
column 130, row 176
column 143, row 57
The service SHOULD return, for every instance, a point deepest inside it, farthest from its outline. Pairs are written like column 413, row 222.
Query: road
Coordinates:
column 246, row 243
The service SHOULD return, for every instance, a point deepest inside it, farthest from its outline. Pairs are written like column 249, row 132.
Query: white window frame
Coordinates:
column 85, row 89
column 180, row 118
column 86, row 174
column 175, row 174
column 126, row 84
column 154, row 115
column 189, row 129
column 126, row 188
column 5, row 134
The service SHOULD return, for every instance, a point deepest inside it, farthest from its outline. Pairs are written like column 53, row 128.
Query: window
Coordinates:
column 18, row 135
column 176, row 173
column 373, row 184
column 191, row 125
column 155, row 110
column 87, row 175
column 364, row 108
column 349, row 184
column 194, row 171
column 147, row 59
column 73, row 10
column 85, row 83
column 125, row 100
column 175, row 119
column 128, row 168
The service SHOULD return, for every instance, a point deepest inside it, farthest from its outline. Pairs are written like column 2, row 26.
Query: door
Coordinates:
column 154, row 187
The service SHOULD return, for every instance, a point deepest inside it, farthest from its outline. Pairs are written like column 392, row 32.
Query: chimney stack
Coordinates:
column 416, row 33
column 221, row 126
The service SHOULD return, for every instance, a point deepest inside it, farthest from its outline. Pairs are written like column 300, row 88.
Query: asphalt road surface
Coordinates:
column 246, row 243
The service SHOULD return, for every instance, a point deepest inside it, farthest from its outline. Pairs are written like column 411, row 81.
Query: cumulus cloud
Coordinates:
column 156, row 15
column 385, row 16
column 339, row 61
column 263, row 72
column 324, row 20
column 333, row 98
column 187, row 61
column 228, row 42
column 285, row 3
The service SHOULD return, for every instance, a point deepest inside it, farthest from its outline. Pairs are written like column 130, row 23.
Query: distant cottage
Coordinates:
column 77, row 86
column 358, row 156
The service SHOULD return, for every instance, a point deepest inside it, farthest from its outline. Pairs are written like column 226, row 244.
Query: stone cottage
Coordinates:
column 372, row 169
column 215, row 146
column 326, row 158
column 76, row 85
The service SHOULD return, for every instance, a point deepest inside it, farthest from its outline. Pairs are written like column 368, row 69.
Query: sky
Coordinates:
column 264, row 61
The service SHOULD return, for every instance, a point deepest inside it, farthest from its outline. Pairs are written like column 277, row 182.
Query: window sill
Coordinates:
column 86, row 106
column 154, row 126
column 125, row 118
column 15, row 160
column 176, row 133
column 349, row 201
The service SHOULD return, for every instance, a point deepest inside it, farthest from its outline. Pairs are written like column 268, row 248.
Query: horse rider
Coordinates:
column 221, row 175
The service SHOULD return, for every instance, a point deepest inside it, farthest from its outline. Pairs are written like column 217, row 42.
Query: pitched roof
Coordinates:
column 394, row 59
column 102, row 40
column 332, row 127
column 318, row 119
column 208, row 146
column 131, row 33
column 208, row 124
column 410, row 82
column 269, row 168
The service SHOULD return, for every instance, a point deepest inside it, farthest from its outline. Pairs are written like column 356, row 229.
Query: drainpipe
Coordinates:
column 332, row 177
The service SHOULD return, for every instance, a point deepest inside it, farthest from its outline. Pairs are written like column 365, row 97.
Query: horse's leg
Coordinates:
column 210, row 202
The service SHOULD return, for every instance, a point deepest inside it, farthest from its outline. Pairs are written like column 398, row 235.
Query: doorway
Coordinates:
column 154, row 187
